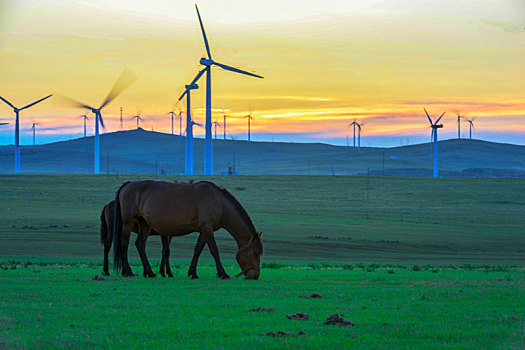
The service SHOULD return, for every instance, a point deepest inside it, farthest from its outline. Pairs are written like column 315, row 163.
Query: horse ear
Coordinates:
column 260, row 235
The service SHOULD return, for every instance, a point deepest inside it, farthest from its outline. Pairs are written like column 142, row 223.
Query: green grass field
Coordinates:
column 422, row 263
column 61, row 306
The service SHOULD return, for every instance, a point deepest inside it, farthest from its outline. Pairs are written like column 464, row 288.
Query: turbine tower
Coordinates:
column 123, row 82
column 434, row 136
column 471, row 126
column 121, row 121
column 354, row 123
column 17, row 127
column 188, row 168
column 250, row 118
column 33, row 127
column 180, row 122
column 85, row 117
column 216, row 124
column 172, row 114
column 224, row 126
column 208, row 63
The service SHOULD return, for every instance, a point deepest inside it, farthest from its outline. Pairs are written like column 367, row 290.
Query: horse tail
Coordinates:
column 103, row 227
column 117, row 231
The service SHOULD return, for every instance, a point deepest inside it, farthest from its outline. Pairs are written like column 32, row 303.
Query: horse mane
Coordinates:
column 237, row 205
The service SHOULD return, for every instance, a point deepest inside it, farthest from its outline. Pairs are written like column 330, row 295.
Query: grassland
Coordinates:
column 413, row 262
column 59, row 305
column 304, row 219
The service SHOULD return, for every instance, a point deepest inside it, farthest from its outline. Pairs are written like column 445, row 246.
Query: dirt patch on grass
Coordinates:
column 313, row 296
column 298, row 316
column 338, row 321
column 262, row 309
column 282, row 334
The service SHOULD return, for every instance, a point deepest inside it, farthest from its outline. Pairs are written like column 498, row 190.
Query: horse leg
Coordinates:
column 165, row 261
column 221, row 273
column 140, row 243
column 201, row 242
column 124, row 243
column 107, row 248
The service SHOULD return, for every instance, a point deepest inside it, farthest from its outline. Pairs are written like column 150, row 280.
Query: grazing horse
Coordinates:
column 180, row 209
column 107, row 218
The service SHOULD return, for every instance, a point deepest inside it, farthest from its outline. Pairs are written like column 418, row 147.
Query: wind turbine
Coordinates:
column 123, row 82
column 33, row 127
column 459, row 125
column 208, row 63
column 359, row 135
column 216, row 124
column 434, row 137
column 354, row 123
column 17, row 128
column 188, row 168
column 471, row 126
column 224, row 126
column 85, row 117
column 250, row 118
column 138, row 118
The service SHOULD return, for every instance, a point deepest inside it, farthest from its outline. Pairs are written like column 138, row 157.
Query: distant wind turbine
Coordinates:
column 250, row 118
column 359, row 135
column 138, row 118
column 216, row 124
column 459, row 125
column 85, row 117
column 434, row 137
column 354, row 123
column 208, row 63
column 17, row 128
column 471, row 126
column 123, row 82
column 188, row 168
column 33, row 127
column 224, row 126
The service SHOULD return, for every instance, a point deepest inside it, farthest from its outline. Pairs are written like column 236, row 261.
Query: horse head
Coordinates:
column 249, row 258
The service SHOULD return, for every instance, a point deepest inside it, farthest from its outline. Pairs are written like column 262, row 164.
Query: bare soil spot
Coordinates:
column 338, row 321
column 298, row 316
column 262, row 309
column 313, row 296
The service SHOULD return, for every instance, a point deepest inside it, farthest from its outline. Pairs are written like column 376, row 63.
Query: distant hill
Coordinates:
column 140, row 151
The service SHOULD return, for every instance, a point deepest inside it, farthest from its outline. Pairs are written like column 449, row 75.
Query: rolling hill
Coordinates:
column 145, row 152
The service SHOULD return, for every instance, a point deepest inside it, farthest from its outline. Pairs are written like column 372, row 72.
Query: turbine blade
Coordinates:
column 203, row 33
column 101, row 121
column 69, row 102
column 34, row 103
column 183, row 94
column 3, row 123
column 6, row 101
column 430, row 120
column 236, row 70
column 437, row 121
column 126, row 78
column 197, row 77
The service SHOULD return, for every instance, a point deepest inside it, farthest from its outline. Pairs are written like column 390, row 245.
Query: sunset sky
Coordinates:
column 325, row 63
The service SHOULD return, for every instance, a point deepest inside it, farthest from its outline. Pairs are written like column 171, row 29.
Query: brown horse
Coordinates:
column 107, row 218
column 180, row 209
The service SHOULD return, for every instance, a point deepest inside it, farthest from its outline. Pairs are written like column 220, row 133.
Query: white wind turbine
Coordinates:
column 434, row 137
column 208, row 63
column 17, row 127
column 123, row 82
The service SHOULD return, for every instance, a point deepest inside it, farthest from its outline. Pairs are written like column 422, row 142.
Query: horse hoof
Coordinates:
column 194, row 277
column 224, row 278
column 163, row 275
column 170, row 275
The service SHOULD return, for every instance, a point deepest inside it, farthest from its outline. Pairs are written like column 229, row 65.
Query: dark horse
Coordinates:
column 180, row 209
column 107, row 218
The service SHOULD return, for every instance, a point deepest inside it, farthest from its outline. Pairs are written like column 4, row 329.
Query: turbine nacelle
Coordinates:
column 206, row 61
column 437, row 126
column 192, row 87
